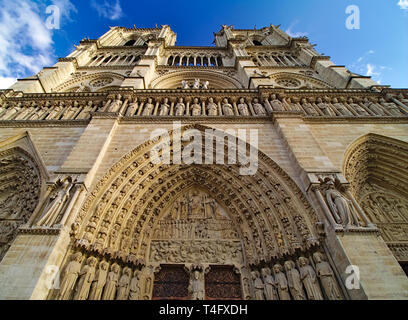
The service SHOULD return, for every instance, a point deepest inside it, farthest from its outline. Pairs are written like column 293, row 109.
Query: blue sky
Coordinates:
column 379, row 48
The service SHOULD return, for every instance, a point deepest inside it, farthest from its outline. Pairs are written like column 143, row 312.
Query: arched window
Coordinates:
column 130, row 43
column 191, row 62
column 170, row 61
column 212, row 62
column 205, row 62
column 184, row 61
column 219, row 61
column 257, row 43
column 177, row 61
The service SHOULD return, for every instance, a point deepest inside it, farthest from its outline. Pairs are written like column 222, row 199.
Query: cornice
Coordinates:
column 370, row 119
column 42, row 123
column 315, row 59
column 193, row 120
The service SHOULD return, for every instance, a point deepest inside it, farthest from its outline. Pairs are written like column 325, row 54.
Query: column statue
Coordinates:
column 70, row 276
column 294, row 282
column 309, row 279
column 325, row 273
column 99, row 281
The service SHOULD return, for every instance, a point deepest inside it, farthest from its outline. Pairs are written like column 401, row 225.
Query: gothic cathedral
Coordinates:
column 255, row 169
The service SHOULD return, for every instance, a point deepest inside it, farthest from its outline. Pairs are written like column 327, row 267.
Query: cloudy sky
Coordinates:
column 29, row 40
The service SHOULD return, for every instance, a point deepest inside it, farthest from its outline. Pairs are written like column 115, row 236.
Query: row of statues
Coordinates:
column 301, row 282
column 338, row 106
column 89, row 281
column 192, row 108
column 311, row 106
column 48, row 111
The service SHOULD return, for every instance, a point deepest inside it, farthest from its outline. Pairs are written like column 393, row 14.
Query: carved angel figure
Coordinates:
column 196, row 84
column 184, row 84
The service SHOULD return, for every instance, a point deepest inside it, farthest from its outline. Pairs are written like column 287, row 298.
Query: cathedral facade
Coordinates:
column 255, row 169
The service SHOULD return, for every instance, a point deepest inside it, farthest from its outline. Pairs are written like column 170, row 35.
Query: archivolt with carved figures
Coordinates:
column 376, row 167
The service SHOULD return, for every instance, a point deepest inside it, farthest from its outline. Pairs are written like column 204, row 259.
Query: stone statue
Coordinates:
column 196, row 84
column 58, row 198
column 116, row 104
column 269, row 282
column 196, row 286
column 227, row 108
column 70, row 276
column 10, row 112
column 243, row 108
column 148, row 108
column 258, row 108
column 134, row 289
column 310, row 110
column 391, row 107
column 373, row 107
column 184, row 84
column 325, row 273
column 359, row 109
column 99, row 281
column 324, row 108
column 71, row 111
column 403, row 99
column 309, row 279
column 26, row 112
column 123, row 285
column 195, row 108
column 205, row 85
column 86, row 277
column 84, row 114
column 164, row 108
column 55, row 112
column 341, row 108
column 295, row 284
column 281, row 282
column 340, row 207
column 258, row 286
column 111, row 283
column 212, row 108
column 276, row 104
column 180, row 107
column 196, row 206
column 132, row 108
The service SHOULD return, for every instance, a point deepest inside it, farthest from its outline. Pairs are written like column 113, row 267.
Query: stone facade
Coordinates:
column 87, row 213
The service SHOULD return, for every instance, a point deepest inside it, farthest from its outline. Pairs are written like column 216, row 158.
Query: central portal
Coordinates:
column 196, row 250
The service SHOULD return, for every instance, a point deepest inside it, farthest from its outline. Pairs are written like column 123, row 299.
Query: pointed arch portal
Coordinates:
column 149, row 216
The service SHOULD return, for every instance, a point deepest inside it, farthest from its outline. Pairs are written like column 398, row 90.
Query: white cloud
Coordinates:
column 295, row 34
column 403, row 4
column 25, row 41
column 370, row 70
column 6, row 82
column 108, row 10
